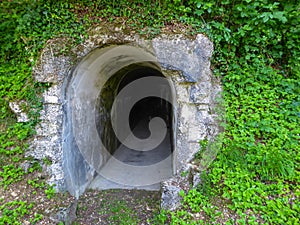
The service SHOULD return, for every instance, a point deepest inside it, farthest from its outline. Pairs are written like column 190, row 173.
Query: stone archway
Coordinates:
column 91, row 107
column 69, row 113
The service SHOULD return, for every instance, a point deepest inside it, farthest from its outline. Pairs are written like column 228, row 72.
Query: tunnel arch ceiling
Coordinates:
column 73, row 103
column 95, row 82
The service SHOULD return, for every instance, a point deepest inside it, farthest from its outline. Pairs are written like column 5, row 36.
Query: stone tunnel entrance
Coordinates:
column 119, row 131
column 139, row 118
column 80, row 129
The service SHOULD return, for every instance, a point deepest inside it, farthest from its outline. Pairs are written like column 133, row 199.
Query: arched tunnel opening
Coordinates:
column 142, row 112
column 115, row 138
column 76, row 132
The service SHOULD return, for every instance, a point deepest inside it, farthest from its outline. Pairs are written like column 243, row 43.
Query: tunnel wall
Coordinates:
column 88, row 79
column 105, row 101
column 186, row 64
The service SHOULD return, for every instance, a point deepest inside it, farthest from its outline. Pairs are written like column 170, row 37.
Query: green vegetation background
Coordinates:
column 256, row 173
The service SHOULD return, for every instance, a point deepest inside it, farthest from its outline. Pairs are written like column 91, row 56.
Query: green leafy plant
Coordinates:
column 13, row 211
column 36, row 183
column 10, row 174
column 50, row 191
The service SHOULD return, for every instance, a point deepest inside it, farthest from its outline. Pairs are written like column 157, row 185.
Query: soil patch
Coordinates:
column 117, row 207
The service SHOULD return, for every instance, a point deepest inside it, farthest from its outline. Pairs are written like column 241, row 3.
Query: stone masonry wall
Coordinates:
column 185, row 61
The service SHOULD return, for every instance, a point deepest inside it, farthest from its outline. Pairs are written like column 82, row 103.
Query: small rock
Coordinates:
column 170, row 197
column 14, row 194
column 40, row 175
column 196, row 179
column 16, row 108
column 66, row 215
column 60, row 216
column 25, row 166
column 118, row 28
column 51, row 99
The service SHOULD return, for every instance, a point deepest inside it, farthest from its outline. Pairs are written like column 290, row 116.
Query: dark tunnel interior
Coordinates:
column 141, row 113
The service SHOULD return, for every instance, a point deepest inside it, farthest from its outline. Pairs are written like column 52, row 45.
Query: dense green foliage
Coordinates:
column 256, row 174
column 257, row 56
column 13, row 211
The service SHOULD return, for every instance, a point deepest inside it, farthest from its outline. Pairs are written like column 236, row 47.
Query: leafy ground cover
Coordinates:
column 255, row 177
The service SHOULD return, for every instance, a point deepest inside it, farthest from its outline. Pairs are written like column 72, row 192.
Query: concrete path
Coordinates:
column 128, row 168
